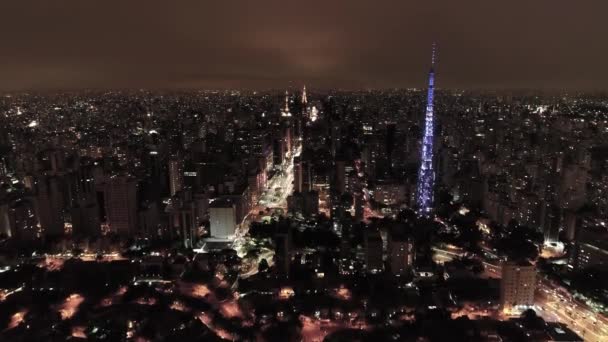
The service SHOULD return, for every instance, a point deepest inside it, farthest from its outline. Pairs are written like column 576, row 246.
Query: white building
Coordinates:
column 517, row 286
column 222, row 216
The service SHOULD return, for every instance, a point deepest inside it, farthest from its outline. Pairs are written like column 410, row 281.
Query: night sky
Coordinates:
column 65, row 44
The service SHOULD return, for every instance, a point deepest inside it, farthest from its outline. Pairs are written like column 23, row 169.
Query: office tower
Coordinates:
column 22, row 222
column 373, row 251
column 400, row 254
column 148, row 220
column 176, row 175
column 280, row 149
column 298, row 174
column 85, row 218
column 341, row 206
column 572, row 187
column 552, row 222
column 303, row 175
column 304, row 203
column 202, row 205
column 287, row 141
column 155, row 179
column 56, row 161
column 426, row 174
column 84, row 207
column 517, row 285
column 49, row 205
column 389, row 192
column 222, row 216
column 569, row 224
column 340, row 176
column 120, row 196
column 359, row 204
column 184, row 218
column 590, row 249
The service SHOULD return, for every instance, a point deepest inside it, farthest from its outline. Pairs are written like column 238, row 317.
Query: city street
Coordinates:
column 557, row 305
column 280, row 185
column 274, row 197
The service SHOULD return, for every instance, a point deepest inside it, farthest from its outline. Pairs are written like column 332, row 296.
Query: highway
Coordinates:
column 554, row 303
column 557, row 305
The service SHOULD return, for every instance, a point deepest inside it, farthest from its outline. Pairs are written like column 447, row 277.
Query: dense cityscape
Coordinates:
column 295, row 172
column 295, row 215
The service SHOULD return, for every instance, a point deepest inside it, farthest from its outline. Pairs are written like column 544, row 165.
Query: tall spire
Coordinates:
column 286, row 102
column 426, row 174
column 285, row 111
column 433, row 56
column 304, row 99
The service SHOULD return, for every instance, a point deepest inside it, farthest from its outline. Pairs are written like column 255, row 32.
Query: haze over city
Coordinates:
column 350, row 44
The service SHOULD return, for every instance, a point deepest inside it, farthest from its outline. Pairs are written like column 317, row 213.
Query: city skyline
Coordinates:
column 287, row 171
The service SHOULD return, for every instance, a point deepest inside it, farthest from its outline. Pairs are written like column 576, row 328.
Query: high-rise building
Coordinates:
column 340, row 176
column 572, row 186
column 590, row 249
column 56, row 161
column 517, row 286
column 222, row 216
column 389, row 192
column 120, row 196
column 22, row 223
column 552, row 222
column 184, row 218
column 176, row 175
column 426, row 173
column 148, row 220
column 85, row 218
column 359, row 204
column 400, row 254
column 373, row 251
column 49, row 205
column 302, row 173
column 304, row 203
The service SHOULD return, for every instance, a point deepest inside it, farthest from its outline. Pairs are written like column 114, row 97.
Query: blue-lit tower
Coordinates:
column 426, row 174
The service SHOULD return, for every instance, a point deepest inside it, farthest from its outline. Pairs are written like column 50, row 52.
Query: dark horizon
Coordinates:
column 296, row 90
column 353, row 45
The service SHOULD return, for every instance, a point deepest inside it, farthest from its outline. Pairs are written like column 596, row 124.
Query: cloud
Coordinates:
column 159, row 44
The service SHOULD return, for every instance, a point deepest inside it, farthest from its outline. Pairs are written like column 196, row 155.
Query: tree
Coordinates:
column 531, row 320
column 520, row 243
column 263, row 266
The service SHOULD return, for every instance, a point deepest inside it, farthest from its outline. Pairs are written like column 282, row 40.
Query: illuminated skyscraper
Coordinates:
column 285, row 111
column 426, row 174
column 176, row 175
